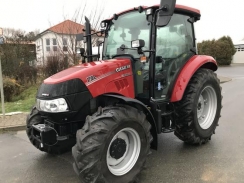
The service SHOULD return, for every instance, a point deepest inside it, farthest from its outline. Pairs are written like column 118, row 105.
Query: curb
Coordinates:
column 224, row 79
column 7, row 124
column 12, row 128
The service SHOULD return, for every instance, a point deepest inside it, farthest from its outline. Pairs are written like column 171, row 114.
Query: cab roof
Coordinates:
column 178, row 9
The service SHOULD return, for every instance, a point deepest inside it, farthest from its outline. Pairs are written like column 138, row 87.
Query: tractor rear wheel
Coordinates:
column 198, row 113
column 34, row 118
column 112, row 146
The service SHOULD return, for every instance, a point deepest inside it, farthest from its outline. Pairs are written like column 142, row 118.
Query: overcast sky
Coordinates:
column 219, row 17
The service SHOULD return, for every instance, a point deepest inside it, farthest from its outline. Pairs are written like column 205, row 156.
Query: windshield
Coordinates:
column 127, row 27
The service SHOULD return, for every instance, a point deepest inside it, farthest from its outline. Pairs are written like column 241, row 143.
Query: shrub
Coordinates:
column 10, row 88
column 55, row 64
column 222, row 49
column 26, row 75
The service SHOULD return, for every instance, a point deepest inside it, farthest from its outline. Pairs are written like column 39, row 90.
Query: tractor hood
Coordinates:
column 94, row 76
column 90, row 72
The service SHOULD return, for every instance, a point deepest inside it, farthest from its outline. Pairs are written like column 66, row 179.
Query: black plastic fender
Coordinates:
column 139, row 105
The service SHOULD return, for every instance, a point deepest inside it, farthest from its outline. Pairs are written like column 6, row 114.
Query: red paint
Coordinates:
column 181, row 7
column 177, row 6
column 187, row 72
column 105, row 73
column 188, row 8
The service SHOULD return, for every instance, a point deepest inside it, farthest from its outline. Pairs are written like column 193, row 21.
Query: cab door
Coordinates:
column 174, row 47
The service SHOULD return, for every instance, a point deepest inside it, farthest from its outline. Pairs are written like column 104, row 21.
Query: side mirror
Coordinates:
column 165, row 12
column 82, row 51
column 139, row 43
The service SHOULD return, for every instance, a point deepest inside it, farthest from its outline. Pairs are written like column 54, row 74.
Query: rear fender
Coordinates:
column 196, row 62
column 139, row 105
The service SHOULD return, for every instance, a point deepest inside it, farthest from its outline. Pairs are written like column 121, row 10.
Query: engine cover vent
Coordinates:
column 121, row 84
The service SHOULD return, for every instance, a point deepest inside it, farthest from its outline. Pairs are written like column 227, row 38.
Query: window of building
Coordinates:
column 54, row 41
column 47, row 44
column 65, row 44
column 55, row 48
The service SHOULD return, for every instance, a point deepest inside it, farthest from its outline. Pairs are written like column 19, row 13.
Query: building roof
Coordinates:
column 67, row 27
column 239, row 42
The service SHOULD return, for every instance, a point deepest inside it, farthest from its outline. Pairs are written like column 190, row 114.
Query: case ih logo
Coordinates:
column 122, row 68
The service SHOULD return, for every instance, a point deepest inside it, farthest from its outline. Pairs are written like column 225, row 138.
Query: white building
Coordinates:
column 59, row 40
column 239, row 55
column 95, row 51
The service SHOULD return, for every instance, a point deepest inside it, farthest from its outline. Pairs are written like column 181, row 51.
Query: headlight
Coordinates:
column 54, row 106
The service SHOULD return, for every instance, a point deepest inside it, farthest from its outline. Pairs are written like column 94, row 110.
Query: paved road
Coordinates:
column 235, row 71
column 220, row 161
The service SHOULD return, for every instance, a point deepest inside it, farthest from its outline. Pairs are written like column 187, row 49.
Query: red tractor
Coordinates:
column 151, row 81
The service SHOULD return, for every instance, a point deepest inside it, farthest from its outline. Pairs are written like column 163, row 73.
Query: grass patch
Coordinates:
column 22, row 102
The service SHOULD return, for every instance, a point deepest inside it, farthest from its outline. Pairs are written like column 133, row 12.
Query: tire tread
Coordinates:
column 104, row 119
column 184, row 109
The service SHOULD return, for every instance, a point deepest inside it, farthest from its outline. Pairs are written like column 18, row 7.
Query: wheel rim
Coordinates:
column 123, row 151
column 207, row 107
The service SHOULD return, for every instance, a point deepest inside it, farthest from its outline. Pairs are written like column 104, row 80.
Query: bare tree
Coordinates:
column 18, row 35
column 74, row 25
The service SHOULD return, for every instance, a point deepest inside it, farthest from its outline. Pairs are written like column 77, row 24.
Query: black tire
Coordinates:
column 94, row 138
column 61, row 147
column 188, row 129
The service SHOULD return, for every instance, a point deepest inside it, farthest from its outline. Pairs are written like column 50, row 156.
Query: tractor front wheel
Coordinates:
column 112, row 146
column 198, row 113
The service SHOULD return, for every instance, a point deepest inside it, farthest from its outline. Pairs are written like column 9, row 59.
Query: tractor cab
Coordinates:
column 157, row 51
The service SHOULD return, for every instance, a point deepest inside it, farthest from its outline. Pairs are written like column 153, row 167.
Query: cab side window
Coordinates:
column 173, row 49
column 175, row 38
